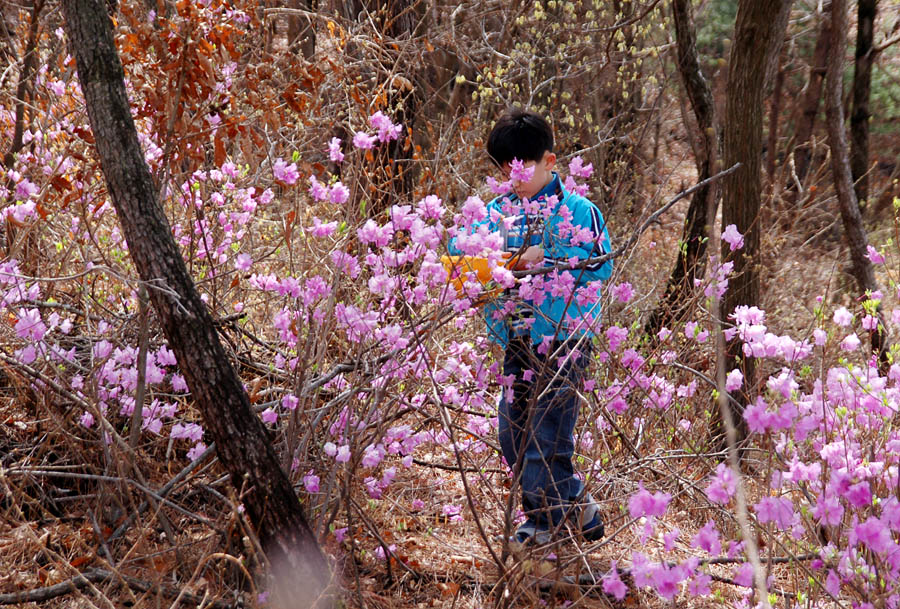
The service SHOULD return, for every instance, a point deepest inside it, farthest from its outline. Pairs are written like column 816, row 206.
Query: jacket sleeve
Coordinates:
column 584, row 215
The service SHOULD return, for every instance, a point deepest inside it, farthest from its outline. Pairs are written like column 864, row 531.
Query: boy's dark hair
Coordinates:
column 519, row 135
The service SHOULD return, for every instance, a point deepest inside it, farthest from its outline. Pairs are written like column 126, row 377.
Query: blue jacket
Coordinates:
column 551, row 312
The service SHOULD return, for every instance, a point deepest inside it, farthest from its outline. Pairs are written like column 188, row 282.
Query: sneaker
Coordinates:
column 590, row 520
column 529, row 534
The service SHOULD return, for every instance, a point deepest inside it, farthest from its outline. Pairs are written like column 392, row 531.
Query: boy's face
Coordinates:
column 543, row 173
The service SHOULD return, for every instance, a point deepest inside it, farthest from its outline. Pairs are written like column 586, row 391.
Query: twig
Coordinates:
column 752, row 551
column 165, row 490
column 101, row 478
column 141, row 390
column 634, row 236
column 97, row 576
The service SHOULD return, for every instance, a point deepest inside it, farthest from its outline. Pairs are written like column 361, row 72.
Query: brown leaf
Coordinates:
column 79, row 560
column 219, row 149
column 448, row 589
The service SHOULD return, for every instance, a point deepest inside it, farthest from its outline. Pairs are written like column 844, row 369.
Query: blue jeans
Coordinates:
column 536, row 427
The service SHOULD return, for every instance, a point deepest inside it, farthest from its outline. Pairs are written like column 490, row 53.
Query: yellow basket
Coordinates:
column 459, row 267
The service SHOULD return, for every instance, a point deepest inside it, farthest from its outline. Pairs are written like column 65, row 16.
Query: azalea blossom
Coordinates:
column 334, row 150
column 364, row 140
column 732, row 237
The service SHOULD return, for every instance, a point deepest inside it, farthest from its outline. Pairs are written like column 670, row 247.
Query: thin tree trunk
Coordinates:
column 756, row 37
column 691, row 256
column 809, row 107
column 301, row 31
column 857, row 239
column 23, row 90
column 772, row 143
column 862, row 88
column 242, row 443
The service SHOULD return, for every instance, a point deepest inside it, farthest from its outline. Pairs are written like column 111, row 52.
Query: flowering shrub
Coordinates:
column 363, row 359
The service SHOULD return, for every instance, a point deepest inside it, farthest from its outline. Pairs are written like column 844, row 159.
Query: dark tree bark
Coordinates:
column 24, row 100
column 756, row 37
column 857, row 239
column 393, row 176
column 862, row 88
column 301, row 34
column 701, row 212
column 809, row 106
column 23, row 90
column 241, row 440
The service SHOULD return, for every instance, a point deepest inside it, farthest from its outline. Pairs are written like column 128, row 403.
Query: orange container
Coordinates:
column 459, row 267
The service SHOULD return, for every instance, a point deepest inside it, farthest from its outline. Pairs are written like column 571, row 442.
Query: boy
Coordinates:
column 544, row 327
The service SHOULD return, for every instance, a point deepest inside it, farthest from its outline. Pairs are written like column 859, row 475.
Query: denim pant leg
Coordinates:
column 542, row 420
column 513, row 414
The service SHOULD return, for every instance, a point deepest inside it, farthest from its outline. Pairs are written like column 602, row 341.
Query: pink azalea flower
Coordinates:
column 859, row 495
column 311, row 482
column 732, row 237
column 850, row 342
column 338, row 193
column 198, row 449
column 874, row 534
column 243, row 262
column 874, row 256
column 318, row 190
column 643, row 503
column 285, row 172
column 498, row 188
column 623, row 291
column 320, row 229
column 734, row 380
column 363, row 140
column 820, row 337
column 743, row 575
column 779, row 510
column 29, row 325
column 722, row 486
column 87, row 420
column 334, row 150
column 343, row 454
column 699, row 585
column 707, row 539
column 578, row 169
column 613, row 585
column 386, row 129
column 843, row 317
column 518, row 172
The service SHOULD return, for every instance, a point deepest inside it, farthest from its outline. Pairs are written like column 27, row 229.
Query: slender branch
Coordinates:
column 141, row 391
column 97, row 576
column 634, row 236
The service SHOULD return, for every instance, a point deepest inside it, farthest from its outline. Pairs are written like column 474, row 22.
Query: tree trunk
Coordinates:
column 772, row 143
column 809, row 107
column 23, row 90
column 241, row 440
column 701, row 212
column 393, row 172
column 862, row 88
column 301, row 32
column 756, row 37
column 840, row 167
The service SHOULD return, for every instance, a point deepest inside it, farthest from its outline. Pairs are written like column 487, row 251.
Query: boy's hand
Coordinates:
column 534, row 255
